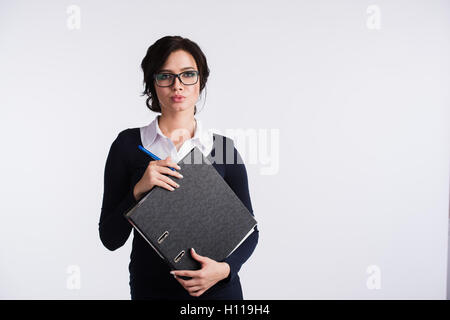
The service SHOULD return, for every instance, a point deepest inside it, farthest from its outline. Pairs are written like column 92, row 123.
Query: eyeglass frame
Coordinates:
column 177, row 76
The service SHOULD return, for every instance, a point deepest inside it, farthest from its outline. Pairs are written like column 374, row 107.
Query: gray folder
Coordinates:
column 204, row 213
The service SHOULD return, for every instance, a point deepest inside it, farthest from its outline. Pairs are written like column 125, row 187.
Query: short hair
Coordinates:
column 157, row 55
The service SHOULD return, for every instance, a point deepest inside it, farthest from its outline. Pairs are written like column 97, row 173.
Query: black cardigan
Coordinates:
column 149, row 274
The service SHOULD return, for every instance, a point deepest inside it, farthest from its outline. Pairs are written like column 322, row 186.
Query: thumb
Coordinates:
column 198, row 257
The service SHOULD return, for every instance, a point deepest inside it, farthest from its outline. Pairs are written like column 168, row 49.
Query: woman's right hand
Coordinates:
column 154, row 176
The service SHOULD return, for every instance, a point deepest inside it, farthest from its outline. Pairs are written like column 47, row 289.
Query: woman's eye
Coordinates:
column 189, row 74
column 164, row 76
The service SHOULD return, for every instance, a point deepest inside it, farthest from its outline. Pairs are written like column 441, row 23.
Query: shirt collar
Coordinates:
column 202, row 138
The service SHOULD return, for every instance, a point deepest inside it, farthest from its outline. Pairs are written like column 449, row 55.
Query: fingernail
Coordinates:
column 171, row 272
column 193, row 249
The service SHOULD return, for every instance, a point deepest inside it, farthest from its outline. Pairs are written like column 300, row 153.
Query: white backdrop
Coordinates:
column 347, row 102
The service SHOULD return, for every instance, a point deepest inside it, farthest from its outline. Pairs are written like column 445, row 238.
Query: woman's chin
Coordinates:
column 180, row 106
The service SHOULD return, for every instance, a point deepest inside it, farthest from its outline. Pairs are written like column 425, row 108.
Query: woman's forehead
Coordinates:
column 179, row 61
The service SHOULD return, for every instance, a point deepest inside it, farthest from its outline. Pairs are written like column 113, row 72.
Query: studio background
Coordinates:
column 348, row 101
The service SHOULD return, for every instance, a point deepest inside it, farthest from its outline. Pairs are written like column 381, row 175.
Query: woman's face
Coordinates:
column 177, row 62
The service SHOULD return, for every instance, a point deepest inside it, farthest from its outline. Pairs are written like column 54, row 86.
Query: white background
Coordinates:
column 362, row 116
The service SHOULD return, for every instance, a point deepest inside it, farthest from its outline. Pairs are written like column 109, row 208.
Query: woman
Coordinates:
column 175, row 72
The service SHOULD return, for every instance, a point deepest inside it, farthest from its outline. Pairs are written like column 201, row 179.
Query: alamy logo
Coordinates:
column 74, row 17
column 73, row 281
column 374, row 17
column 254, row 146
column 374, row 280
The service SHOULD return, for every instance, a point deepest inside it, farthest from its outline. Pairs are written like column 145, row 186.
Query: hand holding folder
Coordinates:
column 144, row 184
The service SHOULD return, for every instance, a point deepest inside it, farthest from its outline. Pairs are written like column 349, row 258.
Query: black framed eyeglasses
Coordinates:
column 166, row 79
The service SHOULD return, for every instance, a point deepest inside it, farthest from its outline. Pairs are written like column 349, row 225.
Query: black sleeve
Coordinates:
column 118, row 197
column 236, row 177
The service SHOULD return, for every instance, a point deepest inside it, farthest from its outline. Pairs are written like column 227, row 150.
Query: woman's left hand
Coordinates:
column 210, row 273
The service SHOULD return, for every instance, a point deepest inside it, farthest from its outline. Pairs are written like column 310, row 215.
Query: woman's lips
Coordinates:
column 178, row 99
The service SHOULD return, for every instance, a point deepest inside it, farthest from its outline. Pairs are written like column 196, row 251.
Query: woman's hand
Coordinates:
column 154, row 176
column 210, row 273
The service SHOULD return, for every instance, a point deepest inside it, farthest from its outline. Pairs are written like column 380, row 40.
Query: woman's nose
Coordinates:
column 177, row 83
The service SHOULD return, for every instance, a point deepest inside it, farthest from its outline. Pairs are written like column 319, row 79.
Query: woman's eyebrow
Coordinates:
column 181, row 69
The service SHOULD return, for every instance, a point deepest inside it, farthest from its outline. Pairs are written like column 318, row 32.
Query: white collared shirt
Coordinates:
column 157, row 143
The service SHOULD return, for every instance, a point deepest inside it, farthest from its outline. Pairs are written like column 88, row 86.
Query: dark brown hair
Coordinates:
column 157, row 55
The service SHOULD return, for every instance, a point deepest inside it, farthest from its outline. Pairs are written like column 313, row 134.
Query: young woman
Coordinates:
column 175, row 73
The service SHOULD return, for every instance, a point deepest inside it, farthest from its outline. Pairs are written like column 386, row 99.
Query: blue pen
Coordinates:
column 152, row 155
